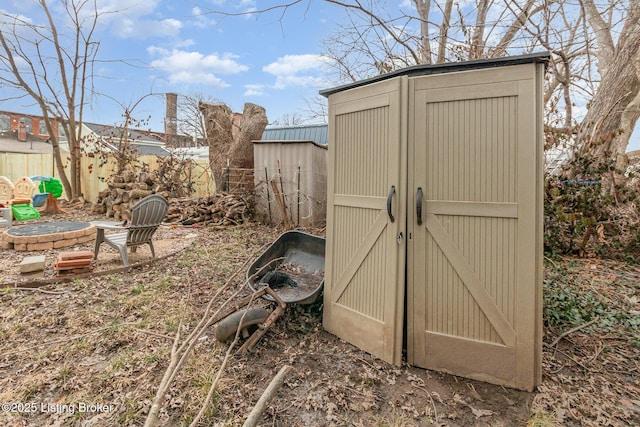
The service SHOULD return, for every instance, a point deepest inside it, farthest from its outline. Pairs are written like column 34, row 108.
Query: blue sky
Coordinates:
column 254, row 58
column 176, row 46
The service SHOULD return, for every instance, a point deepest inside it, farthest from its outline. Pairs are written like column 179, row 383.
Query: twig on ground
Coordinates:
column 572, row 330
column 44, row 291
column 269, row 393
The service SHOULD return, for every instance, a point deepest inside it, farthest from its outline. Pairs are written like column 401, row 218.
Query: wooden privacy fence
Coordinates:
column 237, row 181
column 95, row 173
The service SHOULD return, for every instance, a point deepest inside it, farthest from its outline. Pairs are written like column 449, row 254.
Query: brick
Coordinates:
column 7, row 245
column 62, row 256
column 72, row 263
column 85, row 239
column 25, row 239
column 38, row 246
column 90, row 231
column 64, row 243
column 73, row 272
column 32, row 263
column 43, row 238
column 73, row 234
column 6, row 237
column 19, row 246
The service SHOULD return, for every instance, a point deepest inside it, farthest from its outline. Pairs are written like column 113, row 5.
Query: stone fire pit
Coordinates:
column 47, row 235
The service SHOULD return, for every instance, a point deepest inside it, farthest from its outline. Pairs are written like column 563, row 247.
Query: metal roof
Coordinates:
column 139, row 141
column 148, row 149
column 314, row 133
column 448, row 67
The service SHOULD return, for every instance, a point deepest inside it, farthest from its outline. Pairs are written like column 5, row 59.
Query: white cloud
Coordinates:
column 291, row 64
column 298, row 70
column 183, row 43
column 127, row 19
column 200, row 20
column 194, row 67
column 254, row 90
column 142, row 29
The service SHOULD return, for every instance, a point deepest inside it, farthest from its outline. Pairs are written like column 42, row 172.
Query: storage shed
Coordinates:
column 290, row 175
column 435, row 217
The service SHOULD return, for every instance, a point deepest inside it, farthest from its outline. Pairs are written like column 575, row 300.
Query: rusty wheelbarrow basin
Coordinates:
column 301, row 256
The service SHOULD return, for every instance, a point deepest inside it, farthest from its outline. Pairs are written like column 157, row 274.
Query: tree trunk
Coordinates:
column 443, row 42
column 62, row 174
column 423, row 7
column 613, row 111
column 219, row 125
column 252, row 124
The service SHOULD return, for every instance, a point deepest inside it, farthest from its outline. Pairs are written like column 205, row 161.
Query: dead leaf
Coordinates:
column 481, row 412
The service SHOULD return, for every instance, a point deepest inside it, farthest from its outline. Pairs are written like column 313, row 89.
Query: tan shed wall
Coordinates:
column 304, row 207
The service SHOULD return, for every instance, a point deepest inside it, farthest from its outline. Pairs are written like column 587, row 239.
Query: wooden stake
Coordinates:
column 287, row 221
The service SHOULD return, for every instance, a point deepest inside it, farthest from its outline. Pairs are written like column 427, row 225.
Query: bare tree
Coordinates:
column 54, row 69
column 190, row 119
column 614, row 109
column 294, row 119
column 595, row 47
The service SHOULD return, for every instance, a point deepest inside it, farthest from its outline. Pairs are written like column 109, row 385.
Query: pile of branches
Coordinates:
column 222, row 209
column 591, row 211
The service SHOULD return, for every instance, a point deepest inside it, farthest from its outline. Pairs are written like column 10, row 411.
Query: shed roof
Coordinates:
column 10, row 144
column 145, row 143
column 108, row 131
column 447, row 67
column 315, row 133
column 149, row 149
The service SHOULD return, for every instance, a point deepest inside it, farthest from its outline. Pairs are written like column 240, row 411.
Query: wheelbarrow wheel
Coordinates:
column 228, row 326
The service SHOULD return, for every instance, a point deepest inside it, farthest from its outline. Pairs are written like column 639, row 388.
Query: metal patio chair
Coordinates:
column 146, row 217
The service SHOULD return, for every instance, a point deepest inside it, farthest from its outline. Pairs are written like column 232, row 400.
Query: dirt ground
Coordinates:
column 93, row 351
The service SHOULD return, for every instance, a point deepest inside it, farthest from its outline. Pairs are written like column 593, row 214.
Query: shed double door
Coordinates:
column 434, row 222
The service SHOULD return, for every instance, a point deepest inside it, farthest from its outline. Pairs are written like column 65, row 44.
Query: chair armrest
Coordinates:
column 108, row 225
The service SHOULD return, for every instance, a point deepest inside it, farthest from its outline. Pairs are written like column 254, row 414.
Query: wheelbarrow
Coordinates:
column 296, row 255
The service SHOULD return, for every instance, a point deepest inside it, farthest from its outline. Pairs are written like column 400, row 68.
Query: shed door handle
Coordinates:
column 389, row 199
column 419, row 205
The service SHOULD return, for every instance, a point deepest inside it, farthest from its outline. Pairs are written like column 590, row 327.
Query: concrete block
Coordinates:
column 38, row 246
column 64, row 243
column 32, row 263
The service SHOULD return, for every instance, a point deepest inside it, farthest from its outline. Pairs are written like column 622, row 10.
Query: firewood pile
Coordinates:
column 219, row 210
column 126, row 190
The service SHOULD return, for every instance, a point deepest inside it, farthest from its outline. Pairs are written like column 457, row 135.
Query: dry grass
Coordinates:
column 107, row 340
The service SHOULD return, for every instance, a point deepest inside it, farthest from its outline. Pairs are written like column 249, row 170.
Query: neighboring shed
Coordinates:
column 435, row 207
column 295, row 167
